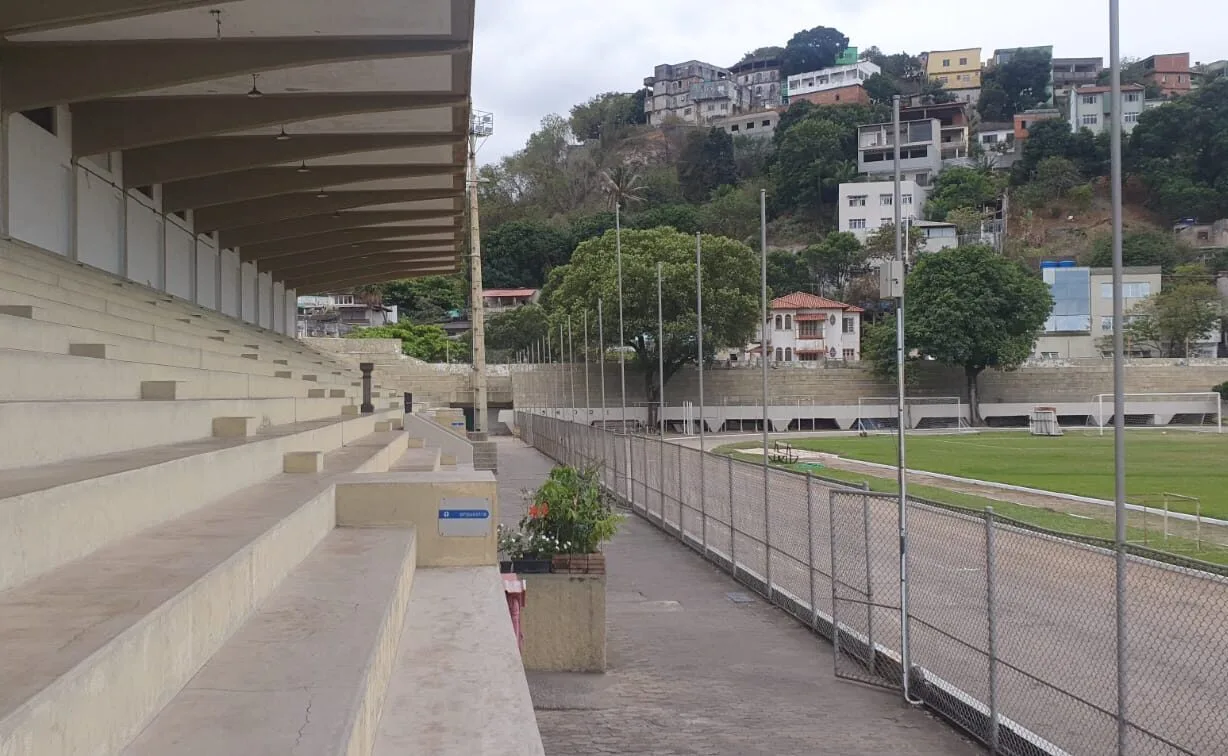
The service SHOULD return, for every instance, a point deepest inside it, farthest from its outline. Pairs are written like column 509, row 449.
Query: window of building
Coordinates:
column 886, row 222
column 1129, row 290
column 1071, row 289
column 943, row 79
column 788, row 322
column 687, row 111
column 1131, row 96
column 767, row 123
column 857, row 200
column 809, row 329
column 1106, row 323
column 780, row 323
column 788, row 354
column 44, row 118
column 1129, row 117
column 850, row 354
column 885, row 199
column 808, row 356
column 724, row 106
column 1091, row 119
column 779, row 354
column 750, row 125
column 905, row 199
column 849, row 325
column 1050, row 356
column 989, row 138
column 963, row 61
column 711, row 107
column 733, row 127
column 855, row 223
column 1089, row 99
column 946, row 62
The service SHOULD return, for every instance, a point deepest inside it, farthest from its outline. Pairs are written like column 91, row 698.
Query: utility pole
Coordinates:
column 481, row 126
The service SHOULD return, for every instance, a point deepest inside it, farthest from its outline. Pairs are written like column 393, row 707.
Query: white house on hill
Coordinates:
column 805, row 328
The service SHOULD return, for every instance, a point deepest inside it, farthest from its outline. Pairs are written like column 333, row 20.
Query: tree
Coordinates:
column 430, row 299
column 1017, row 85
column 1182, row 314
column 933, row 93
column 770, row 51
column 811, row 50
column 962, row 187
column 623, row 185
column 1088, row 152
column 425, row 342
column 521, row 253
column 880, row 243
column 971, row 308
column 731, row 294
column 606, row 115
column 707, row 162
column 517, row 329
column 1141, row 248
column 808, row 157
column 787, row 272
column 733, row 213
column 685, row 218
column 751, row 156
column 835, row 260
column 881, row 89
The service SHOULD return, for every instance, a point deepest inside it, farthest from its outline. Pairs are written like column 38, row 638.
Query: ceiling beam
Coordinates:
column 26, row 15
column 271, row 181
column 343, row 255
column 359, row 277
column 317, row 267
column 127, row 123
column 340, row 251
column 43, row 74
column 305, row 204
column 214, row 156
column 344, row 238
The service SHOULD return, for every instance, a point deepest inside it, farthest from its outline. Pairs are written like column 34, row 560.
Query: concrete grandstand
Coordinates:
column 213, row 537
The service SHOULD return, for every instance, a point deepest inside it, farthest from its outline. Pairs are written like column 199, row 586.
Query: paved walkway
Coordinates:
column 691, row 672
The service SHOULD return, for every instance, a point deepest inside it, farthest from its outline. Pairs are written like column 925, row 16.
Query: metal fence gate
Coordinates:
column 865, row 588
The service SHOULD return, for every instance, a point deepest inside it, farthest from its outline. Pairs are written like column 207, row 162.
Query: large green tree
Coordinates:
column 962, row 187
column 516, row 329
column 426, row 342
column 521, row 253
column 1181, row 315
column 1017, row 85
column 606, row 115
column 731, row 287
column 787, row 272
column 811, row 50
column 810, row 159
column 973, row 309
column 835, row 261
column 1142, row 248
column 430, row 299
column 707, row 162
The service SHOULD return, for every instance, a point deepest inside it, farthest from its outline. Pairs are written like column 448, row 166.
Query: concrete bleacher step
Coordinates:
column 423, row 459
column 53, row 514
column 55, row 431
column 307, row 673
column 96, row 647
column 458, row 655
column 30, row 375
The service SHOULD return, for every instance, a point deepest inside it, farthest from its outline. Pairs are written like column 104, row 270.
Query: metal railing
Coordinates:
column 1011, row 628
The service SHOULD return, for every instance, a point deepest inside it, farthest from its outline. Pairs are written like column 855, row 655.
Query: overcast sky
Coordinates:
column 536, row 57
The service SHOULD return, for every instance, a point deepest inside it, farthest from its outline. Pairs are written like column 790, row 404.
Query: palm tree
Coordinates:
column 371, row 295
column 623, row 185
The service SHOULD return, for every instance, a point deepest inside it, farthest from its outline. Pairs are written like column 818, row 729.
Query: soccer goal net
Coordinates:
column 1199, row 409
column 880, row 413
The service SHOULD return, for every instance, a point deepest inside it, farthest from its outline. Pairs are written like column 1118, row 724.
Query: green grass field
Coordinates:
column 1080, row 462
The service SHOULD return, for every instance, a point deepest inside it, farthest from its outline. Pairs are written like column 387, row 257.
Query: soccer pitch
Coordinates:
column 1176, row 462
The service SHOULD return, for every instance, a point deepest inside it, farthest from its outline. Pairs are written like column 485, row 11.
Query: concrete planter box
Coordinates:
column 564, row 623
column 578, row 564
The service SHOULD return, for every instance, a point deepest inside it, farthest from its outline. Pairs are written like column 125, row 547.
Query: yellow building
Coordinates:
column 959, row 71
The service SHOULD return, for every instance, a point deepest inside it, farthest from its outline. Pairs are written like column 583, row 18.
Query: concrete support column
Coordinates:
column 366, row 368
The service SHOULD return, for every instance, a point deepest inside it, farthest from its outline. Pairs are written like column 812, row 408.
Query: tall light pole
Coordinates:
column 1119, row 370
column 763, row 343
column 601, row 357
column 699, row 341
column 660, row 354
column 571, row 368
column 588, row 401
column 901, row 473
column 481, row 126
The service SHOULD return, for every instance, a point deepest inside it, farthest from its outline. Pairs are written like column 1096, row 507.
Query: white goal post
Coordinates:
column 1164, row 409
column 920, row 413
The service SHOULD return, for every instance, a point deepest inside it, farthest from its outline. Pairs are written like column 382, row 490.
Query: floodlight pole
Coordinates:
column 481, row 126
column 1119, row 371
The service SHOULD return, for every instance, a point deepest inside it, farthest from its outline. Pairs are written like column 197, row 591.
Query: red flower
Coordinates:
column 539, row 510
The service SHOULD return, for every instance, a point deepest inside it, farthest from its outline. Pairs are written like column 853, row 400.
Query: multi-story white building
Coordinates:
column 1089, row 108
column 831, row 78
column 866, row 206
column 759, row 124
column 1083, row 308
column 672, row 96
column 920, row 149
column 338, row 314
column 805, row 328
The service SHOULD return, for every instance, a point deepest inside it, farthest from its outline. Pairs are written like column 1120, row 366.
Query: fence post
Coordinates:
column 703, row 507
column 814, row 605
column 767, row 530
column 660, row 478
column 991, row 600
column 733, row 532
column 681, row 504
column 865, row 535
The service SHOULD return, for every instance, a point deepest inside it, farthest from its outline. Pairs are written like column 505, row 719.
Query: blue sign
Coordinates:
column 464, row 514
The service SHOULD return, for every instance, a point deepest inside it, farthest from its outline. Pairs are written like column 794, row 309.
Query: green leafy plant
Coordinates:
column 572, row 511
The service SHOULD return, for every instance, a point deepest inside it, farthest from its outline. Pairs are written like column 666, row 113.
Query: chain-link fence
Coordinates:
column 1010, row 631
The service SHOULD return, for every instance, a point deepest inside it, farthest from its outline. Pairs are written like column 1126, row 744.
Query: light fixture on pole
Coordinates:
column 254, row 93
column 282, row 136
column 481, row 126
column 303, row 168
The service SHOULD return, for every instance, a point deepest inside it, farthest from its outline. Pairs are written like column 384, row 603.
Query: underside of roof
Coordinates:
column 324, row 140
